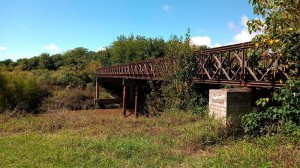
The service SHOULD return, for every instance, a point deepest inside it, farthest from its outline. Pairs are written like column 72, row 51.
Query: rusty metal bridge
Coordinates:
column 241, row 64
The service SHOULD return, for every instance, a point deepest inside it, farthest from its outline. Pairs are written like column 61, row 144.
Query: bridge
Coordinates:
column 241, row 64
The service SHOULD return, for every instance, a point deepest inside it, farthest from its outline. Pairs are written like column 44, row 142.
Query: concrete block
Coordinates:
column 229, row 104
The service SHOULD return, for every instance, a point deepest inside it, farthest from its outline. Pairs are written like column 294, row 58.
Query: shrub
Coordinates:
column 155, row 103
column 20, row 92
column 282, row 114
column 70, row 98
column 177, row 89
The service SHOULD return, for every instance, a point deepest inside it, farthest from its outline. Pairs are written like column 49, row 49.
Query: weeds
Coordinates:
column 102, row 138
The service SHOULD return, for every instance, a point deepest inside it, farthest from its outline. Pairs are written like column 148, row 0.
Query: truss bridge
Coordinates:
column 241, row 64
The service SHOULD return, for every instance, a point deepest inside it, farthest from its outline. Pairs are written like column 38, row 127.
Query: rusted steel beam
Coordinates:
column 129, row 77
column 238, row 83
column 227, row 48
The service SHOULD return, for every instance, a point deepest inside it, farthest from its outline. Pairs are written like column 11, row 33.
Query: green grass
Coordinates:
column 92, row 139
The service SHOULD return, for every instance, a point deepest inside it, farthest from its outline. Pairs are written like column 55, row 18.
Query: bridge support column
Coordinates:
column 137, row 89
column 229, row 104
column 96, row 100
column 131, row 94
column 124, row 98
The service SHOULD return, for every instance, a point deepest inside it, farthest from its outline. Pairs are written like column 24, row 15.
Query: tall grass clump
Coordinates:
column 70, row 98
column 20, row 92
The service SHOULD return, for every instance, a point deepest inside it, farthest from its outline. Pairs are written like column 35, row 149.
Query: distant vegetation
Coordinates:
column 77, row 67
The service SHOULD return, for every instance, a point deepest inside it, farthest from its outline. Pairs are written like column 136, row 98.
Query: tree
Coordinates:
column 132, row 48
column 6, row 65
column 280, row 29
column 57, row 61
column 45, row 62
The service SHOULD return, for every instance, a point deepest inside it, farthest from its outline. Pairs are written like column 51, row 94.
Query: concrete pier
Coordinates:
column 229, row 104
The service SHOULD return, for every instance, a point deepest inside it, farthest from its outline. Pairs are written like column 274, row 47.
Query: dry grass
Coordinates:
column 104, row 138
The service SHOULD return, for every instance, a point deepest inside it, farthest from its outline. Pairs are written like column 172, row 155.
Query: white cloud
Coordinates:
column 101, row 49
column 217, row 45
column 243, row 35
column 244, row 20
column 2, row 48
column 201, row 40
column 52, row 48
column 167, row 8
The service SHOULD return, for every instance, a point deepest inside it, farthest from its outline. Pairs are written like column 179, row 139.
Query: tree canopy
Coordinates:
column 77, row 67
column 280, row 33
column 280, row 27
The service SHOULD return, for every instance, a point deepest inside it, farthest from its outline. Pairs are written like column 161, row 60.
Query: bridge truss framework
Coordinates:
column 241, row 64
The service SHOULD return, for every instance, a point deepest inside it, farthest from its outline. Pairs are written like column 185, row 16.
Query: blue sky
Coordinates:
column 31, row 27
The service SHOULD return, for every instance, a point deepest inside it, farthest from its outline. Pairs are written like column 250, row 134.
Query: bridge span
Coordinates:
column 241, row 64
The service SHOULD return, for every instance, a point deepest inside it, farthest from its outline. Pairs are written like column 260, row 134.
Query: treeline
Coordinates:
column 77, row 67
column 74, row 69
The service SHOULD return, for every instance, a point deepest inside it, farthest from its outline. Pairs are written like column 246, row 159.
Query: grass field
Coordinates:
column 102, row 138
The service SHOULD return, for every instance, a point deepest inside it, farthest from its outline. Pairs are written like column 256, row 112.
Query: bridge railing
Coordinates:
column 151, row 69
column 239, row 64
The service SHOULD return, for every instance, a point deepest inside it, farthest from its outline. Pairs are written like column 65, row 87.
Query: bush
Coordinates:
column 20, row 92
column 155, row 103
column 70, row 98
column 280, row 113
column 177, row 89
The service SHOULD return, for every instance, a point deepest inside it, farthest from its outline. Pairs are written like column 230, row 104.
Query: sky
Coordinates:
column 31, row 27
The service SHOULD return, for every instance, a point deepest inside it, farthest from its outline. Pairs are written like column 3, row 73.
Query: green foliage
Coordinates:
column 264, row 152
column 282, row 115
column 20, row 92
column 7, row 65
column 155, row 102
column 281, row 34
column 75, row 67
column 178, row 90
column 132, row 48
column 281, row 30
